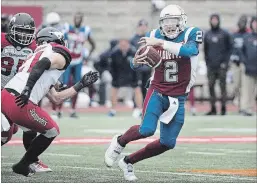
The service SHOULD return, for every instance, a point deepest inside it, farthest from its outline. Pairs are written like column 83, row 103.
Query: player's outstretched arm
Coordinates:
column 58, row 97
column 55, row 61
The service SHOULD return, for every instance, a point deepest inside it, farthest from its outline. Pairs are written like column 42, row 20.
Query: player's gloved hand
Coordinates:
column 140, row 59
column 23, row 98
column 88, row 79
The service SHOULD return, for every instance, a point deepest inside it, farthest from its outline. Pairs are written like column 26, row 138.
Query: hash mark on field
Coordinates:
column 63, row 155
column 158, row 172
column 204, row 153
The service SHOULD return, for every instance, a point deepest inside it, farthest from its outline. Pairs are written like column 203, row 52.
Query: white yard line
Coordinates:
column 204, row 153
column 158, row 172
column 62, row 155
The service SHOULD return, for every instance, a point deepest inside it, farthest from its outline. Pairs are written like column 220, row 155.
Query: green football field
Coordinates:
column 209, row 149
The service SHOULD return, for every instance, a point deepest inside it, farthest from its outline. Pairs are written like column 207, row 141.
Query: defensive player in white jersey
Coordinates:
column 35, row 80
column 16, row 45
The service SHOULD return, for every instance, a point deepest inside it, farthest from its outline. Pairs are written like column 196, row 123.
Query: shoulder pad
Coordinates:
column 194, row 34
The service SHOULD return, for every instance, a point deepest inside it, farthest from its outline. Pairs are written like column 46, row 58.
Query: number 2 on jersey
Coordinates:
column 199, row 36
column 171, row 71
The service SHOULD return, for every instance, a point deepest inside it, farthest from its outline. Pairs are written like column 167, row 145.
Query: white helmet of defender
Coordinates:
column 173, row 20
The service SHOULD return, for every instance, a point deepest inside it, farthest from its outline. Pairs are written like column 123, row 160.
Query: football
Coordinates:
column 153, row 57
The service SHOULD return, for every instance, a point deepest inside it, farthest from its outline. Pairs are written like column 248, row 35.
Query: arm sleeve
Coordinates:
column 190, row 48
column 39, row 68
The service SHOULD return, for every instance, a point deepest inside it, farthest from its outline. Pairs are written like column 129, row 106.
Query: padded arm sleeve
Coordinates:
column 39, row 68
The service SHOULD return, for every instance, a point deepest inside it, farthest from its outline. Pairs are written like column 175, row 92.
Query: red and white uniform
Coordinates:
column 48, row 78
column 31, row 116
column 12, row 57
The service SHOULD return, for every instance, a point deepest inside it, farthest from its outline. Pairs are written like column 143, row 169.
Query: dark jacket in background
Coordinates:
column 217, row 48
column 237, row 53
column 217, row 45
column 103, row 62
column 120, row 69
column 250, row 53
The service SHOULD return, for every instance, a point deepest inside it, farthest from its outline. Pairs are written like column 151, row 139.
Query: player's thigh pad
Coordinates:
column 170, row 132
column 152, row 109
column 40, row 121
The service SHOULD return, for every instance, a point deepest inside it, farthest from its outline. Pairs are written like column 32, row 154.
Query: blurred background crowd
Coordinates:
column 227, row 69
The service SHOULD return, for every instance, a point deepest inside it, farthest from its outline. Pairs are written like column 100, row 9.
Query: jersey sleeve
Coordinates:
column 191, row 48
column 147, row 34
column 64, row 52
column 196, row 35
column 4, row 42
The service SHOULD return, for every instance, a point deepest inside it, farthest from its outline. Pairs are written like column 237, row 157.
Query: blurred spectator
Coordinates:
column 217, row 48
column 77, row 35
column 157, row 5
column 249, row 76
column 4, row 23
column 52, row 19
column 103, row 67
column 144, row 72
column 236, row 57
column 123, row 77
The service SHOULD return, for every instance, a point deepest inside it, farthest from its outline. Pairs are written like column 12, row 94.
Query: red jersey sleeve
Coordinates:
column 64, row 51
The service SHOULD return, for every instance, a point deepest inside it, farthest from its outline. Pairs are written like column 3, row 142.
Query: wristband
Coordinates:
column 78, row 86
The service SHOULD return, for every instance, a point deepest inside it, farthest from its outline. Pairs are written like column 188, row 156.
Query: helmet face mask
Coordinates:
column 22, row 35
column 171, row 26
column 22, row 29
column 172, row 21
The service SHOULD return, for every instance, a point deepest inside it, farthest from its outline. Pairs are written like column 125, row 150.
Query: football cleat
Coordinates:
column 23, row 169
column 137, row 113
column 113, row 152
column 128, row 170
column 74, row 115
column 39, row 167
column 112, row 113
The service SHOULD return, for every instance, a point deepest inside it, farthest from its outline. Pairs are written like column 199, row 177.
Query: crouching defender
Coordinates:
column 35, row 79
column 166, row 96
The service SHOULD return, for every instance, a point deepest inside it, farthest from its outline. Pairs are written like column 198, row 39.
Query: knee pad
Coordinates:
column 146, row 131
column 53, row 132
column 170, row 143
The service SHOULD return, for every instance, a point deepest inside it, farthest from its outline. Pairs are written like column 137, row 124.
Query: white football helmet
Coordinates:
column 53, row 18
column 173, row 20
